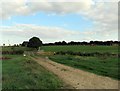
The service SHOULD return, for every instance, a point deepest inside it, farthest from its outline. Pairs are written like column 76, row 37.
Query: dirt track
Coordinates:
column 77, row 78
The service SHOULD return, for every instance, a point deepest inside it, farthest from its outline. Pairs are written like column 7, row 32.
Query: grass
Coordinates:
column 105, row 66
column 77, row 48
column 23, row 73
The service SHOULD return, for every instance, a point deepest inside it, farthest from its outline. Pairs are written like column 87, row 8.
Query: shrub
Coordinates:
column 85, row 54
column 13, row 52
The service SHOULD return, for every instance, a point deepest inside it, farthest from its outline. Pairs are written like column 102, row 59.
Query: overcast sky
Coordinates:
column 83, row 20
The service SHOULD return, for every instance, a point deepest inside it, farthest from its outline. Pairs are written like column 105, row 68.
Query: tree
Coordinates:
column 64, row 43
column 14, row 45
column 25, row 43
column 3, row 45
column 34, row 42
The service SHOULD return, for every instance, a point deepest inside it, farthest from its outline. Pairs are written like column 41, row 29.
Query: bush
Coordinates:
column 84, row 53
column 13, row 52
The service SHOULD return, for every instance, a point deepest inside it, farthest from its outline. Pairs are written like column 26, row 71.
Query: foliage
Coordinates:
column 13, row 52
column 17, row 49
column 92, row 43
column 25, row 43
column 85, row 54
column 34, row 42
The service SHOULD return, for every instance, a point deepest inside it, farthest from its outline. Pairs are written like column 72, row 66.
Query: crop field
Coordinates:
column 23, row 73
column 105, row 65
column 77, row 48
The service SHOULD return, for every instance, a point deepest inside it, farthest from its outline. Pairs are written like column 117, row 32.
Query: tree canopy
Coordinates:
column 34, row 42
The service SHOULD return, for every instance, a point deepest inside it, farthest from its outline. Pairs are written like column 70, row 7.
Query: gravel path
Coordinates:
column 76, row 78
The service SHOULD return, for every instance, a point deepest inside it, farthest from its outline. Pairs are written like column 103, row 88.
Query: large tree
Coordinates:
column 34, row 42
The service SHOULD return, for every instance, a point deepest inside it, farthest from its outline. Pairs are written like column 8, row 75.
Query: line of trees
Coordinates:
column 93, row 43
column 35, row 42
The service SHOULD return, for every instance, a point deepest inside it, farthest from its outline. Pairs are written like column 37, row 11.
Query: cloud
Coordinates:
column 9, row 8
column 15, row 7
column 50, row 34
column 28, row 30
column 24, row 7
column 105, row 18
column 59, row 7
column 103, row 14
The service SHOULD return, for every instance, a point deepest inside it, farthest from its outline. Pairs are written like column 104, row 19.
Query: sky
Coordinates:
column 50, row 20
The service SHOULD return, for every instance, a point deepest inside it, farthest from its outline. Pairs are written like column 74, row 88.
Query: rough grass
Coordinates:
column 77, row 48
column 24, row 73
column 105, row 66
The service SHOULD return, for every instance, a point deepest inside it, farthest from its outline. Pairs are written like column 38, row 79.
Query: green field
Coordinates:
column 76, row 48
column 23, row 73
column 101, row 65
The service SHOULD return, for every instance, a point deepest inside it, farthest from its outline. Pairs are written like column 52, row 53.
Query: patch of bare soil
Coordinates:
column 76, row 78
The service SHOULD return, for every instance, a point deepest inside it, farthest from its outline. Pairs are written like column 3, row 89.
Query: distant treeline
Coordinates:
column 105, row 43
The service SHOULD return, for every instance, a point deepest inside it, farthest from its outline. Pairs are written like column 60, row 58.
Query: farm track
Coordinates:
column 76, row 78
